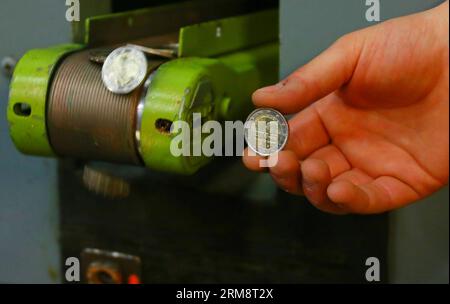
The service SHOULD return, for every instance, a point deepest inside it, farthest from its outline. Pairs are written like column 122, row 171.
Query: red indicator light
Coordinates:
column 134, row 279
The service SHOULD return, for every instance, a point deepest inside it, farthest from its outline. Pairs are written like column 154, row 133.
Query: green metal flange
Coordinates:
column 27, row 100
column 170, row 99
column 218, row 88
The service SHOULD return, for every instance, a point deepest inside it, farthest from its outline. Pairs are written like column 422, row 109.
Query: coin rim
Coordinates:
column 245, row 128
column 108, row 59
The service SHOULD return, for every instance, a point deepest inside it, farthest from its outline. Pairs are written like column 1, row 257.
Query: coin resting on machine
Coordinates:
column 124, row 70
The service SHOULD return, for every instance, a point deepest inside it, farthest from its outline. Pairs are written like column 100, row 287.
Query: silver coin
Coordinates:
column 124, row 70
column 266, row 131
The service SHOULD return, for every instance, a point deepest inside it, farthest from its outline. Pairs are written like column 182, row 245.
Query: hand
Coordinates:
column 372, row 133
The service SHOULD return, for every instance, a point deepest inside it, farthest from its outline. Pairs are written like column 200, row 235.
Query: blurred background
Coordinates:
column 212, row 227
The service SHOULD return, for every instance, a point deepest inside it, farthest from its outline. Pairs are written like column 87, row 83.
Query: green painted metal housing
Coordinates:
column 243, row 55
column 27, row 100
column 172, row 97
column 226, row 61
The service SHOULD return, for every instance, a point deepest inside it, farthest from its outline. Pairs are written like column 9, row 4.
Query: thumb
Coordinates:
column 323, row 75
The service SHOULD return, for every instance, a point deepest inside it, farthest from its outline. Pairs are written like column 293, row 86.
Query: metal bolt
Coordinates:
column 8, row 64
column 218, row 31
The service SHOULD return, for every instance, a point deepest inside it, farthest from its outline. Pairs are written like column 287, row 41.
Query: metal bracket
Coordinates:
column 128, row 26
column 227, row 35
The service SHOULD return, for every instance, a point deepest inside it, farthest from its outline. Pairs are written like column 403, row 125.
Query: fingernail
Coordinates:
column 272, row 88
column 309, row 186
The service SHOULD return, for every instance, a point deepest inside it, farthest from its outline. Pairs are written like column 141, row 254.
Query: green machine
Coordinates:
column 59, row 106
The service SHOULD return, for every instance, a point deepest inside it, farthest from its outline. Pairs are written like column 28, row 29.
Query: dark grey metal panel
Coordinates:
column 309, row 26
column 204, row 229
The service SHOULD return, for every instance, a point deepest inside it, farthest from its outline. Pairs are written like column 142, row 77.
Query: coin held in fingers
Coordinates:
column 266, row 131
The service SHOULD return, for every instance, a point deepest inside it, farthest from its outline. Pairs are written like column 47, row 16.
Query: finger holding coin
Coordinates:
column 270, row 135
column 266, row 132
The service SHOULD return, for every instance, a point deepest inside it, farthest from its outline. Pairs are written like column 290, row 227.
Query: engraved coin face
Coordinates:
column 266, row 131
column 124, row 70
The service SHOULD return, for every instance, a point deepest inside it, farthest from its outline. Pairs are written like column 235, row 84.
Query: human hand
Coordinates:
column 372, row 133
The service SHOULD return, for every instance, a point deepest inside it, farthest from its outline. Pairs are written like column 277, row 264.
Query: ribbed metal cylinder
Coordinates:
column 85, row 120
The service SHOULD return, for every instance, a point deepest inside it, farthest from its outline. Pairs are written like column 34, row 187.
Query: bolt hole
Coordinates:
column 22, row 109
column 163, row 125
